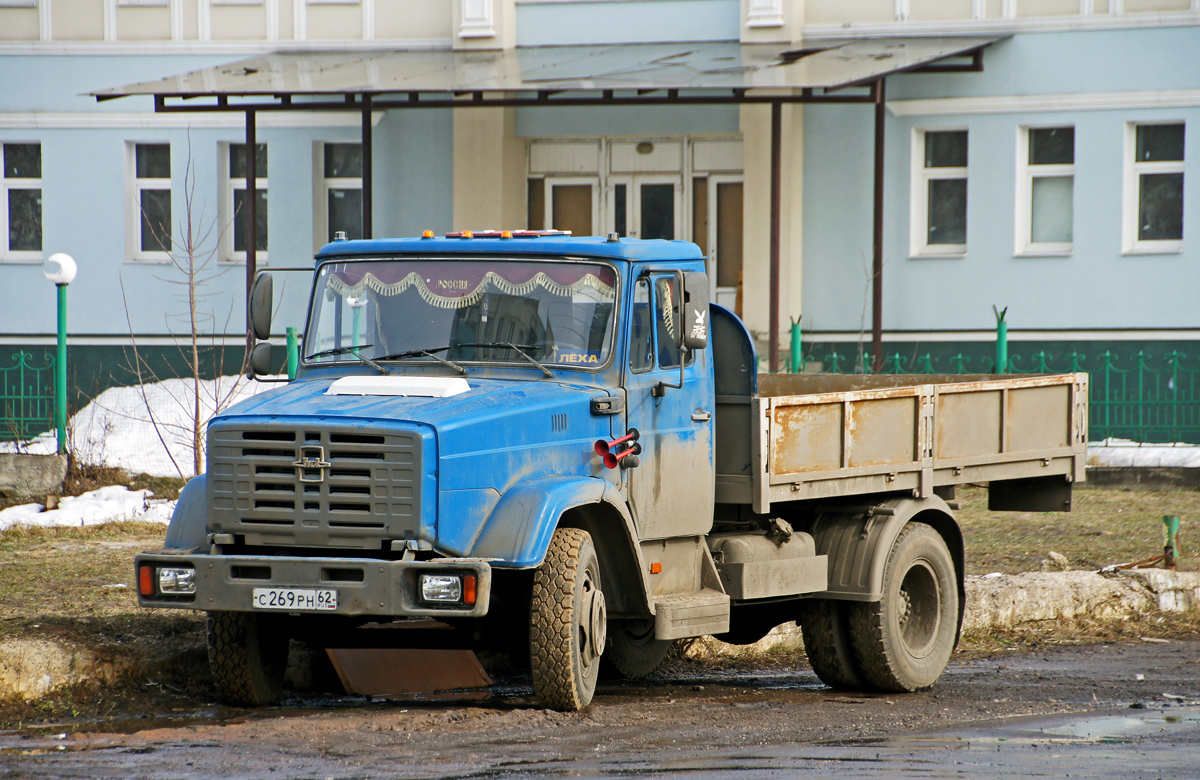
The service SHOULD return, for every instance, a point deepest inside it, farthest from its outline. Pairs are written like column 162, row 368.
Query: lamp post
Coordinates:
column 60, row 269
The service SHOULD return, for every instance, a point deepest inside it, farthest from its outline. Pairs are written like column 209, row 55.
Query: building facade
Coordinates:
column 1058, row 183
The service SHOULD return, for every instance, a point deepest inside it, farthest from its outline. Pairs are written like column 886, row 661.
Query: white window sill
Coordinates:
column 1034, row 253
column 958, row 255
column 18, row 260
column 148, row 261
column 1167, row 248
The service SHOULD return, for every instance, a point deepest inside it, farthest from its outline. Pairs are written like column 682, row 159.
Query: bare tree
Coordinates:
column 192, row 253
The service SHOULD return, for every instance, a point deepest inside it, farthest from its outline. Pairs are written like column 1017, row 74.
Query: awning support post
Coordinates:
column 877, row 229
column 251, row 162
column 776, row 176
column 367, row 179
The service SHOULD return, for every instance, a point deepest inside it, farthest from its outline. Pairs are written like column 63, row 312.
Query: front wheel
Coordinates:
column 904, row 641
column 247, row 654
column 568, row 622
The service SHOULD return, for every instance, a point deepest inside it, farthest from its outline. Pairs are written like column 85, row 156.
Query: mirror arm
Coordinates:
column 660, row 389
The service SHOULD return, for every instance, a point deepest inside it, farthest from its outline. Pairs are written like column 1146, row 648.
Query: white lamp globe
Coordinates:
column 59, row 268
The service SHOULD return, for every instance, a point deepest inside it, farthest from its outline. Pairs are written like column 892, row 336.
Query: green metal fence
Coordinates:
column 1156, row 399
column 26, row 396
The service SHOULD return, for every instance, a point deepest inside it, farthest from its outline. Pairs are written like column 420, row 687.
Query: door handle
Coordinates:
column 701, row 416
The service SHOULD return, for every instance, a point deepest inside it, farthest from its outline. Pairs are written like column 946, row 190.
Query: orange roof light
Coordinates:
column 506, row 234
column 467, row 234
column 427, row 234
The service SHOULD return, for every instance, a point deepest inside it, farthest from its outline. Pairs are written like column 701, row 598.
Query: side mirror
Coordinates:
column 260, row 359
column 262, row 295
column 695, row 310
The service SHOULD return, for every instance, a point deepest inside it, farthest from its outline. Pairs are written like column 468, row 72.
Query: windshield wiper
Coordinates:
column 344, row 350
column 512, row 346
column 427, row 353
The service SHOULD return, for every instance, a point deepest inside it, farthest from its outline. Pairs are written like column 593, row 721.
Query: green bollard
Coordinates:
column 1001, row 366
column 797, row 358
column 293, row 353
column 1170, row 541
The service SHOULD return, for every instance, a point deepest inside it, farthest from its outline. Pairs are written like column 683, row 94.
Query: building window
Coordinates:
column 939, row 224
column 343, row 196
column 21, row 209
column 1154, row 188
column 1046, row 193
column 150, row 214
column 236, row 203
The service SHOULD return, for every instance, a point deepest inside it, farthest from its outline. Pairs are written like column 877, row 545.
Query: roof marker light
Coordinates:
column 427, row 234
column 506, row 234
column 468, row 234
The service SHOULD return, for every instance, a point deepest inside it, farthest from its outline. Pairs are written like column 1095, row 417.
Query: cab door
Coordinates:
column 671, row 490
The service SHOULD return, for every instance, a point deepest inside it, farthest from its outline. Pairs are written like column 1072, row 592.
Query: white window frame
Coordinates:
column 19, row 255
column 919, row 245
column 225, row 207
column 1131, row 244
column 1026, row 173
column 321, row 191
column 133, row 199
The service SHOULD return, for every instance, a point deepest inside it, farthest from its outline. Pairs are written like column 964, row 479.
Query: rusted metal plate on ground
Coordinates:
column 389, row 672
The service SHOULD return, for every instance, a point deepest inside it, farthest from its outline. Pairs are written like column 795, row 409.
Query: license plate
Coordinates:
column 293, row 599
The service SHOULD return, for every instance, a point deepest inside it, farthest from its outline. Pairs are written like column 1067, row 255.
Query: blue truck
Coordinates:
column 559, row 448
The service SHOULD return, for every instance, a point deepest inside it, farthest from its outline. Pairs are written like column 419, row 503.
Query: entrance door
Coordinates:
column 573, row 204
column 645, row 206
column 672, row 489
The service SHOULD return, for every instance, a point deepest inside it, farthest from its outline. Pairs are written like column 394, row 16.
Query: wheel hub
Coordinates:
column 594, row 624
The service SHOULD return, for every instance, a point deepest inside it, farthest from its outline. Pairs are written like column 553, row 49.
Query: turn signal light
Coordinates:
column 469, row 589
column 146, row 580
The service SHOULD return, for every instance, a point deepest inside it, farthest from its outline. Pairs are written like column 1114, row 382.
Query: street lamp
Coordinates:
column 60, row 269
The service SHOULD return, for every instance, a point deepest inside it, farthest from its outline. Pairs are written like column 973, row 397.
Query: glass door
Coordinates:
column 645, row 206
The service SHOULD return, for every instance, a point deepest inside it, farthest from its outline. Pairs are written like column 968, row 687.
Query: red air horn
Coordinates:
column 605, row 448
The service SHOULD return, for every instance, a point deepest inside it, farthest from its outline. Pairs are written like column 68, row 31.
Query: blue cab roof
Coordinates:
column 589, row 246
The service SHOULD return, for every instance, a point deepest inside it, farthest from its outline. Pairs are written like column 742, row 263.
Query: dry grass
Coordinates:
column 1104, row 527
column 85, row 477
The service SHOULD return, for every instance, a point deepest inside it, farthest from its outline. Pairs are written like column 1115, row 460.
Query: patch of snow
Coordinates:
column 145, row 429
column 1123, row 452
column 108, row 504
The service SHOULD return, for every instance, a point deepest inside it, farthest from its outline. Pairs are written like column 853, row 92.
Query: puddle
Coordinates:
column 1128, row 727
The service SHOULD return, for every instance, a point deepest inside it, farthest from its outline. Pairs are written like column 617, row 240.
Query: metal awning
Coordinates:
column 722, row 72
column 687, row 72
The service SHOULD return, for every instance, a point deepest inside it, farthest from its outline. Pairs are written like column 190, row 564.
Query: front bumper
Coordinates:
column 364, row 586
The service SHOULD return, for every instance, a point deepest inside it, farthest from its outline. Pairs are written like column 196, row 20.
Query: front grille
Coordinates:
column 314, row 487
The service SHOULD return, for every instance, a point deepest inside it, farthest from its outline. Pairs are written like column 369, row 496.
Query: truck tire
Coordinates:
column 633, row 651
column 568, row 622
column 825, row 627
column 903, row 641
column 248, row 657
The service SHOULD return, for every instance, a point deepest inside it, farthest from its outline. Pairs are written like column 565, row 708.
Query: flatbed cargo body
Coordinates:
column 823, row 436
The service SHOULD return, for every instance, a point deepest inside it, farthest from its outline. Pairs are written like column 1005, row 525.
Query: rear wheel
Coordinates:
column 633, row 651
column 904, row 641
column 825, row 626
column 568, row 624
column 247, row 654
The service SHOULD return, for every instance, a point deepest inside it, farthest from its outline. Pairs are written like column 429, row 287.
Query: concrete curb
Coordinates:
column 998, row 602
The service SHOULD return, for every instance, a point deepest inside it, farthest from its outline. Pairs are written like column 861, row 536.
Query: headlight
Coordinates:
column 176, row 581
column 441, row 587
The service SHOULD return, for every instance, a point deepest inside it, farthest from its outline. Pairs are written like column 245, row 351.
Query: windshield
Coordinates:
column 465, row 311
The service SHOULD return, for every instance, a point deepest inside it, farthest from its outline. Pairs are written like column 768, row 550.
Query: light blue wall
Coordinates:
column 83, row 186
column 631, row 21
column 1096, row 287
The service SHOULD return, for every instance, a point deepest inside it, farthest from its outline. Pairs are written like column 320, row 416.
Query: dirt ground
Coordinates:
column 1134, row 707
